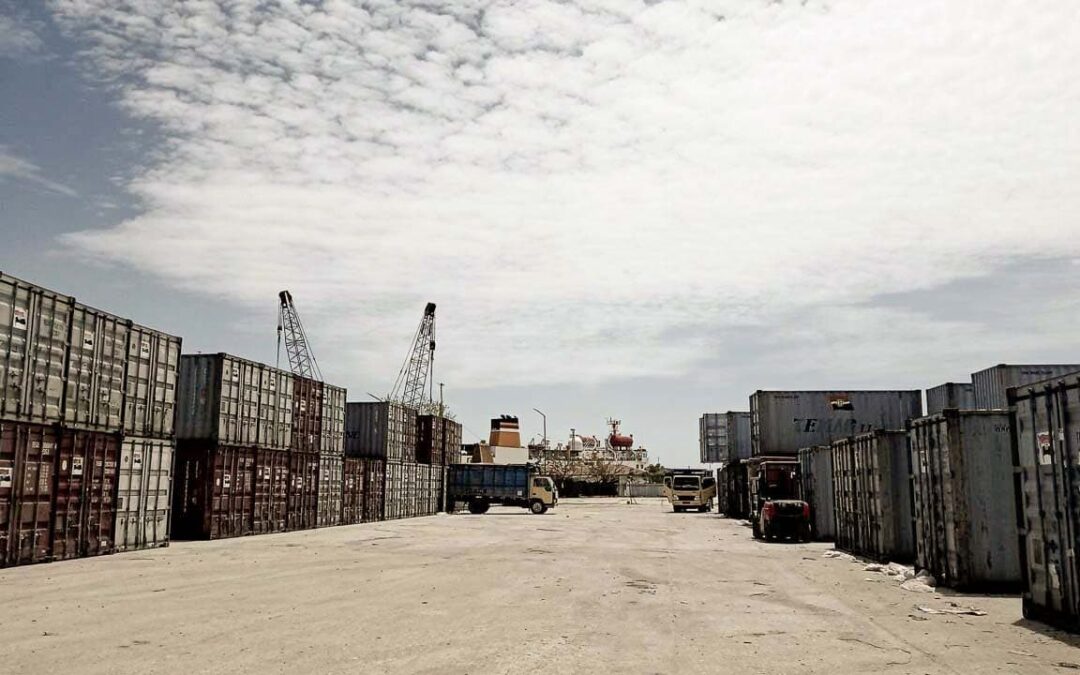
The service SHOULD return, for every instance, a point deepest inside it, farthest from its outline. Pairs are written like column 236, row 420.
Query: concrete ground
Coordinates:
column 594, row 586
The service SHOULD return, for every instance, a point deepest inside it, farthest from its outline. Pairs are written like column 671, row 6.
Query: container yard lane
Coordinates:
column 594, row 586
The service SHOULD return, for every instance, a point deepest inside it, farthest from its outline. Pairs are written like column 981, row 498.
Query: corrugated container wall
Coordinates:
column 271, row 498
column 331, row 489
column 816, row 482
column 452, row 439
column 84, row 506
column 352, row 488
column 151, row 380
column 374, row 487
column 430, row 439
column 233, row 401
column 965, row 525
column 97, row 364
column 733, row 482
column 333, row 421
column 380, row 430
column 1046, row 455
column 35, row 328
column 712, row 438
column 144, row 497
column 307, row 414
column 214, row 491
column 27, row 458
column 303, row 491
column 872, row 496
column 960, row 395
column 782, row 422
column 738, row 436
column 992, row 384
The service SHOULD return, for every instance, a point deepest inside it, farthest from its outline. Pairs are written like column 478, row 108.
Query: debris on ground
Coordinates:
column 953, row 608
column 923, row 582
column 839, row 555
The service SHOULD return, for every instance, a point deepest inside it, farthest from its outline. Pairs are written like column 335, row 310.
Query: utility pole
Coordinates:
column 442, row 407
column 545, row 427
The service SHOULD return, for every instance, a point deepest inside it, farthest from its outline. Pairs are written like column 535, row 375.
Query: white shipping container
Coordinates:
column 144, row 498
column 152, row 374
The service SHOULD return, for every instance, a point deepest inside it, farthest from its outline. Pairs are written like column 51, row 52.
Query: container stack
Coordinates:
column 872, row 496
column 251, row 442
column 733, row 489
column 86, row 428
column 1046, row 426
column 816, row 486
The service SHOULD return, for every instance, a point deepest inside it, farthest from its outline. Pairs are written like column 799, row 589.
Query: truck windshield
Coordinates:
column 686, row 483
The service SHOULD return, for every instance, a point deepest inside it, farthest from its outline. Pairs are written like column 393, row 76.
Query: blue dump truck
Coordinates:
column 481, row 485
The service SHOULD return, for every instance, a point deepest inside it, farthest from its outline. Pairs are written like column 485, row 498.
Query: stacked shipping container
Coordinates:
column 816, row 485
column 87, row 403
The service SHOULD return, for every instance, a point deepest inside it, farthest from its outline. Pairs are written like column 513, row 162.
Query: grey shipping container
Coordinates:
column 782, row 422
column 381, row 430
column 710, row 438
column 151, row 379
column 965, row 524
column 872, row 496
column 232, row 401
column 333, row 421
column 97, row 363
column 724, row 437
column 331, row 477
column 35, row 326
column 816, row 482
column 960, row 395
column 1046, row 442
column 992, row 384
column 144, row 498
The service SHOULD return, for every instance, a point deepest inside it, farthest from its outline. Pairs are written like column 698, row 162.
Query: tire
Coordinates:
column 702, row 508
column 478, row 507
column 677, row 509
column 537, row 507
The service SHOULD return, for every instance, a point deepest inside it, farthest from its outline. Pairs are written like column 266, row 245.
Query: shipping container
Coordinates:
column 381, row 430
column 784, row 421
column 816, row 483
column 992, row 384
column 97, row 363
column 151, row 379
column 452, row 441
column 214, row 490
column 235, row 402
column 374, row 487
column 430, row 439
column 965, row 526
column 271, row 501
column 959, row 395
column 733, row 489
column 333, row 421
column 27, row 459
column 710, row 438
column 872, row 496
column 84, row 497
column 303, row 494
column 35, row 327
column 352, row 487
column 1046, row 456
column 144, row 496
column 307, row 415
column 331, row 489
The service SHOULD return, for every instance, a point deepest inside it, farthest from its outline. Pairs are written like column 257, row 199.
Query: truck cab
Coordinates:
column 542, row 494
column 687, row 489
column 776, row 506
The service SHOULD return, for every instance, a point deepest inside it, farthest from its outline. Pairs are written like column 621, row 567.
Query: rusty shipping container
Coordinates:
column 35, row 327
column 374, row 488
column 733, row 482
column 331, row 489
column 965, row 528
column 144, row 495
column 97, row 364
column 307, row 415
column 816, row 484
column 333, row 421
column 27, row 460
column 1046, row 456
column 352, row 490
column 430, row 439
column 783, row 421
column 872, row 493
column 452, row 441
column 214, row 491
column 86, row 479
column 992, row 384
column 235, row 402
column 303, row 494
column 271, row 499
column 959, row 395
column 380, row 430
column 151, row 378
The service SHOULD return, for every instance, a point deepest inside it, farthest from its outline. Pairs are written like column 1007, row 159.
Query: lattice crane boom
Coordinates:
column 297, row 346
column 416, row 380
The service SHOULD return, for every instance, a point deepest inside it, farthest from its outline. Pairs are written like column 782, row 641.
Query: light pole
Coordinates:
column 545, row 425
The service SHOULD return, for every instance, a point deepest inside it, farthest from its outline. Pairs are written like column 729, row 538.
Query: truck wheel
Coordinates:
column 538, row 507
column 478, row 507
column 702, row 509
column 677, row 509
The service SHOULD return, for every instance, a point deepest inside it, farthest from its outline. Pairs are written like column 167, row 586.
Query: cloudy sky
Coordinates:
column 644, row 210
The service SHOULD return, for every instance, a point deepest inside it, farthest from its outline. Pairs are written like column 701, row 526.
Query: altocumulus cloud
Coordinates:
column 576, row 181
